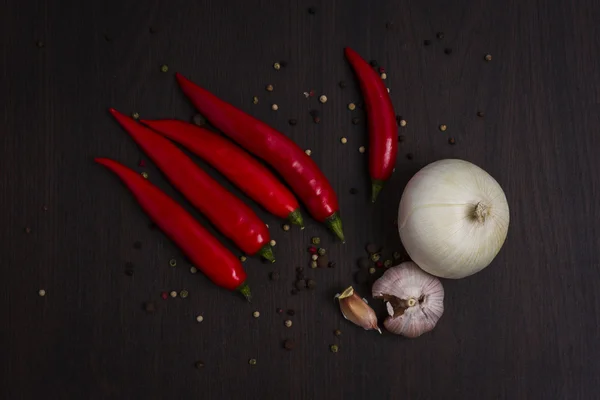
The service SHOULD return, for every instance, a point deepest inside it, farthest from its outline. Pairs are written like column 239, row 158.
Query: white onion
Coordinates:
column 453, row 218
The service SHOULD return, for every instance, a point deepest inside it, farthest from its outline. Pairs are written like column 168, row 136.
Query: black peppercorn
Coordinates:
column 275, row 276
column 199, row 120
column 353, row 190
column 342, row 84
column 292, row 122
column 129, row 272
column 311, row 284
column 291, row 312
column 372, row 248
column 440, row 35
column 312, row 10
column 401, row 138
column 150, row 307
column 452, row 141
column 364, row 262
column 153, row 29
column 337, row 332
column 373, row 63
column 448, row 50
column 199, row 364
column 299, row 269
column 331, row 264
column 480, row 114
column 355, row 120
column 410, row 156
column 426, row 42
column 314, row 113
column 288, row 344
column 137, row 245
column 316, row 120
column 300, row 284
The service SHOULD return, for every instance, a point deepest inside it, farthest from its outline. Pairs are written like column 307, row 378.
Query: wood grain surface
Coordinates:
column 527, row 327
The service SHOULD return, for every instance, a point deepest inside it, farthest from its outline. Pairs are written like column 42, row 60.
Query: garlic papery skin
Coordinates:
column 453, row 218
column 357, row 310
column 414, row 299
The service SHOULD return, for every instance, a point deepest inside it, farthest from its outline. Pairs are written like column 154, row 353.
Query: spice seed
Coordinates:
column 410, row 156
column 337, row 332
column 252, row 361
column 402, row 122
column 372, row 248
column 342, row 84
column 272, row 242
column 452, row 141
column 375, row 257
column 443, row 128
column 387, row 263
column 300, row 284
column 42, row 292
column 311, row 284
column 317, row 120
column 448, row 50
column 488, row 57
column 255, row 100
column 355, row 121
column 135, row 115
column 480, row 114
column 184, row 293
column 269, row 88
column 288, row 344
column 288, row 323
column 199, row 364
column 199, row 318
column 164, row 295
column 361, row 149
column 164, row 68
column 145, row 175
column 193, row 270
column 334, row 348
column 351, row 106
column 277, row 66
column 383, row 76
column 292, row 122
column 299, row 269
column 173, row 262
column 315, row 257
column 316, row 240
column 274, row 107
column 322, row 251
column 440, row 35
column 285, row 227
column 173, row 294
column 397, row 255
column 343, row 140
column 243, row 258
column 313, row 264
column 323, row 99
column 372, row 270
column 274, row 276
column 331, row 264
column 311, row 250
column 308, row 152
column 39, row 44
column 291, row 312
column 150, row 307
column 256, row 314
column 426, row 42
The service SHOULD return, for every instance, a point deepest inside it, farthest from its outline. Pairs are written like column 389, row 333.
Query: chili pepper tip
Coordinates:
column 376, row 187
column 334, row 222
column 244, row 289
column 295, row 218
column 266, row 252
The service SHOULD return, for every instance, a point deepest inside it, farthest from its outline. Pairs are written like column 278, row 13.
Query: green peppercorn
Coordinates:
column 164, row 68
column 252, row 361
column 243, row 258
column 321, row 251
column 387, row 263
column 184, row 293
column 375, row 257
column 313, row 264
column 172, row 262
column 334, row 348
column 316, row 240
column 396, row 255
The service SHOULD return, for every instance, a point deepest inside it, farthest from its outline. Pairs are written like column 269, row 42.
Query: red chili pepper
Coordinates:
column 203, row 249
column 229, row 214
column 237, row 165
column 383, row 129
column 289, row 160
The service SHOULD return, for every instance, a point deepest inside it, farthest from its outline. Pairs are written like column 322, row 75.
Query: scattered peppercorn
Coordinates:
column 488, row 57
column 410, row 156
column 448, row 50
column 272, row 242
column 153, row 29
column 274, row 276
column 401, row 138
column 375, row 257
column 426, row 42
column 361, row 149
column 317, row 120
column 173, row 294
column 173, row 262
column 299, row 269
column 373, row 63
column 300, row 284
column 313, row 264
column 184, row 293
column 107, row 37
column 199, row 364
column 199, row 318
column 308, row 152
column 312, row 10
column 387, row 263
column 291, row 312
column 316, row 240
column 42, row 292
column 397, row 255
column 343, row 140
column 45, row 207
column 402, row 122
column 277, row 66
column 379, row 264
column 321, row 251
column 40, row 44
column 355, row 121
column 331, row 264
column 372, row 248
column 164, row 68
column 243, row 258
column 145, row 175
column 334, row 348
column 440, row 35
column 389, row 25
column 274, row 107
column 323, row 99
column 150, row 307
column 256, row 314
column 164, row 295
column 364, row 262
column 129, row 272
column 288, row 344
column 372, row 270
column 443, row 128
column 288, row 323
column 252, row 361
column 337, row 332
column 269, row 88
column 315, row 257
column 351, row 106
column 383, row 76
column 135, row 115
column 480, row 114
column 353, row 190
column 292, row 122
column 254, row 100
column 342, row 84
column 279, row 311
column 452, row 141
column 311, row 284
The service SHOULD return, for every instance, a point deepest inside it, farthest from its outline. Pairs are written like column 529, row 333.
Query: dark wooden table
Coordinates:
column 527, row 327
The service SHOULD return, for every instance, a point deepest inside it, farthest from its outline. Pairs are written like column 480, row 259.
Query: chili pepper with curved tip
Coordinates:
column 383, row 128
column 237, row 165
column 298, row 169
column 203, row 249
column 229, row 214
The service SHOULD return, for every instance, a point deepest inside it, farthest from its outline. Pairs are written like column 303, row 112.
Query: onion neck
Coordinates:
column 481, row 212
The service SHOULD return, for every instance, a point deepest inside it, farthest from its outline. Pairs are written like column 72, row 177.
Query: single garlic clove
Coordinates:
column 414, row 299
column 357, row 310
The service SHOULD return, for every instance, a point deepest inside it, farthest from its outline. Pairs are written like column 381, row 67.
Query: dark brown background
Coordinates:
column 526, row 327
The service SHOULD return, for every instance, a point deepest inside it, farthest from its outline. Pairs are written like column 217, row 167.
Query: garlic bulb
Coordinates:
column 414, row 299
column 453, row 218
column 357, row 310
